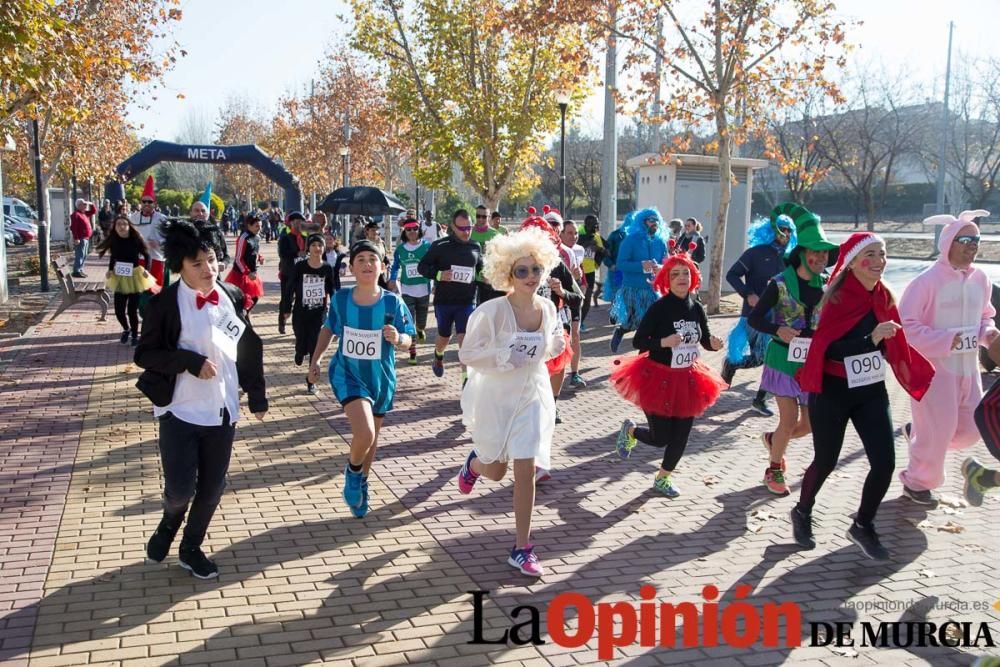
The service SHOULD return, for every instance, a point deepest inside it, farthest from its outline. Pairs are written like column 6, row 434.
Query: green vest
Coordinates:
column 788, row 312
column 411, row 258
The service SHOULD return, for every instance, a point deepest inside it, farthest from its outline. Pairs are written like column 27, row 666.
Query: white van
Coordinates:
column 16, row 208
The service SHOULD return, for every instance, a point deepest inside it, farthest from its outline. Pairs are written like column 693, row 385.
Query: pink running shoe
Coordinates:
column 525, row 560
column 542, row 475
column 467, row 478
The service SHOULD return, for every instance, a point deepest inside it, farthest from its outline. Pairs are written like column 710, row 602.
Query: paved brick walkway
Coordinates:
column 304, row 582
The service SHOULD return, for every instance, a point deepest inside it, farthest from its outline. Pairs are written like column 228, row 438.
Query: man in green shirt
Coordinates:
column 483, row 233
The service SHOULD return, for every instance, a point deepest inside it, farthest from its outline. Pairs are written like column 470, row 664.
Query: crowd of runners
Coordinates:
column 514, row 301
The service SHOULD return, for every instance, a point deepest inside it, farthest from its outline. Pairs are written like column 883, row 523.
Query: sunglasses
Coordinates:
column 147, row 201
column 966, row 240
column 464, row 228
column 522, row 272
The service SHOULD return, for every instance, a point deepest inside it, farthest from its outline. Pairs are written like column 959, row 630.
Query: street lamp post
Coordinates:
column 345, row 156
column 562, row 98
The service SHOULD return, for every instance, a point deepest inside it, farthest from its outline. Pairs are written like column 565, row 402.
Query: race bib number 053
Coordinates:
column 313, row 290
column 462, row 274
column 683, row 356
column 865, row 369
column 363, row 344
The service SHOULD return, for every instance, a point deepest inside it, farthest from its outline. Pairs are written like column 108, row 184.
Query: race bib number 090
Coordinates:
column 123, row 269
column 683, row 356
column 968, row 340
column 865, row 369
column 798, row 349
column 363, row 344
column 462, row 274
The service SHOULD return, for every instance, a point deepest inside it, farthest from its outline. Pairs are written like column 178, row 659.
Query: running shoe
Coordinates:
column 558, row 418
column 353, row 494
column 194, row 560
column 421, row 335
column 298, row 358
column 665, row 485
column 972, row 471
column 413, row 358
column 281, row 325
column 542, row 475
column 159, row 544
column 867, row 540
column 759, row 405
column 466, row 478
column 766, row 437
column 576, row 381
column 135, row 340
column 774, row 480
column 310, row 388
column 616, row 339
column 525, row 560
column 625, row 442
column 923, row 497
column 728, row 372
column 584, row 328
column 124, row 337
column 438, row 366
column 802, row 529
column 362, row 510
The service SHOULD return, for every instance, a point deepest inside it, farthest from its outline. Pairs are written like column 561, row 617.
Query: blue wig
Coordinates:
column 635, row 223
column 762, row 232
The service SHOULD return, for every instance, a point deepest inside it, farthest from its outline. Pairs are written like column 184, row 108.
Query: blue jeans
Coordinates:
column 80, row 255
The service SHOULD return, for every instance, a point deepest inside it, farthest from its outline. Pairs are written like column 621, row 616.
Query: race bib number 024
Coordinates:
column 683, row 356
column 363, row 344
column 865, row 369
column 526, row 348
column 462, row 274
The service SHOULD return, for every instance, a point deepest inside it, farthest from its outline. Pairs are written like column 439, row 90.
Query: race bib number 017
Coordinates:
column 462, row 274
column 123, row 269
column 683, row 356
column 865, row 369
column 798, row 349
column 313, row 290
column 362, row 344
column 968, row 340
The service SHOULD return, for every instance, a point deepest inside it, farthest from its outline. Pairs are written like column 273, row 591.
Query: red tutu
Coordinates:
column 558, row 364
column 668, row 392
column 252, row 289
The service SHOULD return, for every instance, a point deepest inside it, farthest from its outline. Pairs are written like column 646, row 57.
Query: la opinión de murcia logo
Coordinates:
column 739, row 624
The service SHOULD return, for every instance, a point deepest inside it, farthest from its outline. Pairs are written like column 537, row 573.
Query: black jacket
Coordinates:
column 288, row 253
column 218, row 239
column 157, row 351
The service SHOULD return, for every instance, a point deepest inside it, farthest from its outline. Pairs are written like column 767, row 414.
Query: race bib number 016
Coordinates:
column 123, row 269
column 411, row 272
column 313, row 290
column 683, row 356
column 363, row 344
column 865, row 369
column 798, row 349
column 227, row 329
column 462, row 274
column 968, row 340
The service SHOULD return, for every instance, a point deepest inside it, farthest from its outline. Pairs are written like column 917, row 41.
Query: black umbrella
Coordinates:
column 360, row 200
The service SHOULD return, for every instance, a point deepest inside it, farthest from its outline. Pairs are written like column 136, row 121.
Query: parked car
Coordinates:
column 11, row 238
column 27, row 230
column 19, row 209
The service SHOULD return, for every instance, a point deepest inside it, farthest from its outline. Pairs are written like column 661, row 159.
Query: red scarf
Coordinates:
column 844, row 310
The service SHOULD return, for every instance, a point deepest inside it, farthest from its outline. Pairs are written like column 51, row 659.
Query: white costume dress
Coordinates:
column 149, row 229
column 507, row 403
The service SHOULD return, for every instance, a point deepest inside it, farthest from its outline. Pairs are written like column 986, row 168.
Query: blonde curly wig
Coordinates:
column 503, row 251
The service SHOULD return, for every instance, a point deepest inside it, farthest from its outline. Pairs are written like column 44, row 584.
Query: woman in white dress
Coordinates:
column 507, row 404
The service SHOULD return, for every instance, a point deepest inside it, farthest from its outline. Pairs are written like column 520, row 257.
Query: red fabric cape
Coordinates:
column 844, row 310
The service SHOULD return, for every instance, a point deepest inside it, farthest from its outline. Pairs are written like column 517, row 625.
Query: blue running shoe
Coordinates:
column 625, row 443
column 360, row 512
column 353, row 494
column 665, row 485
column 616, row 339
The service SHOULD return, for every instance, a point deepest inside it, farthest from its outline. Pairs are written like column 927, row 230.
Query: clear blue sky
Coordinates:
column 262, row 49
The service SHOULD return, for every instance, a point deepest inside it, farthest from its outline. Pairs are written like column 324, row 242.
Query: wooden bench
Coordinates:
column 76, row 290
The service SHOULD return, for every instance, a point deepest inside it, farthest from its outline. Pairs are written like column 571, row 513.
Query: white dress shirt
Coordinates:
column 198, row 401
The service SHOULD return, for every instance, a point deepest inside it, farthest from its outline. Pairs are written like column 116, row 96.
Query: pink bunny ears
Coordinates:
column 963, row 217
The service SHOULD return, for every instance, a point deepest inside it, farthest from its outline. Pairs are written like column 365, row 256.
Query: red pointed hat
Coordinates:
column 851, row 248
column 147, row 190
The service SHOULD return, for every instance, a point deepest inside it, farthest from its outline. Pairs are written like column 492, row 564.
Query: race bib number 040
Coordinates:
column 865, row 369
column 968, row 340
column 363, row 344
column 683, row 356
column 798, row 349
column 462, row 274
column 123, row 269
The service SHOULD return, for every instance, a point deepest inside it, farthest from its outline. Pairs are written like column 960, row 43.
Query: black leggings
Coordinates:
column 868, row 409
column 669, row 432
column 589, row 296
column 130, row 301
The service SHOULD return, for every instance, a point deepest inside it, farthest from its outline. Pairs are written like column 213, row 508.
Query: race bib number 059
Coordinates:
column 683, row 356
column 968, row 340
column 123, row 269
column 798, row 349
column 462, row 274
column 865, row 369
column 363, row 344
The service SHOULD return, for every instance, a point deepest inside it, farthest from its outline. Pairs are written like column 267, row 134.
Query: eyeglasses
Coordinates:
column 522, row 272
column 464, row 228
column 784, row 231
column 966, row 240
column 147, row 201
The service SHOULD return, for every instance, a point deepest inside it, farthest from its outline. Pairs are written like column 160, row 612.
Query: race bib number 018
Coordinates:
column 313, row 290
column 683, row 356
column 865, row 369
column 968, row 340
column 411, row 271
column 363, row 344
column 462, row 274
column 227, row 329
column 123, row 269
column 798, row 349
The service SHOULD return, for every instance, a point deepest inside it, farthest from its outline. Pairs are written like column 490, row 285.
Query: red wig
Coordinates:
column 662, row 281
column 534, row 221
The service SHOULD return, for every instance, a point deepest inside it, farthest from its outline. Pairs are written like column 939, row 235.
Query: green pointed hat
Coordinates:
column 808, row 230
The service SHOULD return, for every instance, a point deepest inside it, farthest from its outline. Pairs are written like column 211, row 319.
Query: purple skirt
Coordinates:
column 780, row 384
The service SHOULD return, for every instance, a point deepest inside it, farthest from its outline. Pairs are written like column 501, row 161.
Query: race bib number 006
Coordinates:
column 313, row 290
column 462, row 274
column 363, row 344
column 123, row 269
column 865, row 369
column 683, row 356
column 968, row 340
column 412, row 273
column 798, row 349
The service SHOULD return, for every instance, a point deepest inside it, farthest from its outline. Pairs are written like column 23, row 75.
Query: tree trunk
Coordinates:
column 719, row 232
